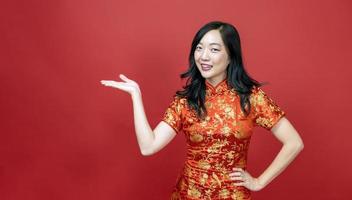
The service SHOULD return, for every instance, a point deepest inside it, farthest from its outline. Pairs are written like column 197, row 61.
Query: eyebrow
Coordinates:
column 212, row 43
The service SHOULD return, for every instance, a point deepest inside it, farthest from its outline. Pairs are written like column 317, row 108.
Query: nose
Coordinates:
column 204, row 55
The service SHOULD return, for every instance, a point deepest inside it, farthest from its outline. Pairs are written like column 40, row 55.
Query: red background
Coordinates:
column 66, row 136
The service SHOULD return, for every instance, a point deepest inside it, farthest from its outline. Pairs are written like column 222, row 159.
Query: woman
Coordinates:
column 217, row 111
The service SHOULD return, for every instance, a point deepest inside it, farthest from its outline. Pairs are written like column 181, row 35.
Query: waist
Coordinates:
column 211, row 178
column 217, row 162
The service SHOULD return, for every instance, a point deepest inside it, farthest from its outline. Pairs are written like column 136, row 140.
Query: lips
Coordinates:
column 206, row 67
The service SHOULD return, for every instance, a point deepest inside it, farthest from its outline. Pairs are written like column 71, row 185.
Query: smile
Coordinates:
column 206, row 67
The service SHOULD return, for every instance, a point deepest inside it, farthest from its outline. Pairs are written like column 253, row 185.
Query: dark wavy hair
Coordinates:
column 237, row 77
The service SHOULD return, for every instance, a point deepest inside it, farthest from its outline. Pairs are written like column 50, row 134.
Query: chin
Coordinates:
column 207, row 74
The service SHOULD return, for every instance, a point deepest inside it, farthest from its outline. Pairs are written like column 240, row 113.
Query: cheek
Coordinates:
column 196, row 56
column 220, row 59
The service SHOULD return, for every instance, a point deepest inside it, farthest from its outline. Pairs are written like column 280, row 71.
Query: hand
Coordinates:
column 128, row 85
column 247, row 180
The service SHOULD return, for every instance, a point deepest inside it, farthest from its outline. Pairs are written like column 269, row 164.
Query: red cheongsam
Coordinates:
column 218, row 143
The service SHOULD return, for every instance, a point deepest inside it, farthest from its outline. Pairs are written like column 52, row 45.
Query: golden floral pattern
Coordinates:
column 218, row 143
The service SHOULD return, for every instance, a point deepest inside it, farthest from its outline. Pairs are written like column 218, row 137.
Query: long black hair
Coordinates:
column 237, row 77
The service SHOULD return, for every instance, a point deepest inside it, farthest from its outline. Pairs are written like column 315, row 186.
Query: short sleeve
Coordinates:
column 266, row 112
column 172, row 115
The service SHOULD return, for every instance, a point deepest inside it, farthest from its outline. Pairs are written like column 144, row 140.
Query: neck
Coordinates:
column 215, row 82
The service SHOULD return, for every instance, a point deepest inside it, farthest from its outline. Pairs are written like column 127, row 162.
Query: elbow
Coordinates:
column 300, row 146
column 147, row 152
column 297, row 146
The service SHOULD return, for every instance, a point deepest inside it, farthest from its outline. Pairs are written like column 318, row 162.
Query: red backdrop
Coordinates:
column 65, row 136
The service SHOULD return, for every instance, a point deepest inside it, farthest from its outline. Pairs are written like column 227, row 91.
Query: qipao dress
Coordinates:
column 218, row 143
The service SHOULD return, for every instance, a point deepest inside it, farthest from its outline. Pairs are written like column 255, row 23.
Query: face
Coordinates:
column 211, row 57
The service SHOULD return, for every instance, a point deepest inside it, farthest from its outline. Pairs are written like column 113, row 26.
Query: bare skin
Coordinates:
column 151, row 141
column 211, row 58
column 210, row 53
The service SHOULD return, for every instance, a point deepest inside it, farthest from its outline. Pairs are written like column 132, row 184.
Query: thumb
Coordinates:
column 123, row 77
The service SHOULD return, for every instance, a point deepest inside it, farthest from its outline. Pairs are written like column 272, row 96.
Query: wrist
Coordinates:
column 260, row 183
column 136, row 94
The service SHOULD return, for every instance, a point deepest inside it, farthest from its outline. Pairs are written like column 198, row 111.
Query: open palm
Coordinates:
column 128, row 85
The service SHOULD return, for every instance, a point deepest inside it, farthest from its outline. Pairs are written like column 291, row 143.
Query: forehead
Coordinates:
column 212, row 37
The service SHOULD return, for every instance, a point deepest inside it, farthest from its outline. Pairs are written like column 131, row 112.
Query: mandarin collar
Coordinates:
column 218, row 89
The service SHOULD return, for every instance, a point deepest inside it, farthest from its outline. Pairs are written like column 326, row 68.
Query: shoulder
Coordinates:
column 255, row 91
column 257, row 95
column 179, row 101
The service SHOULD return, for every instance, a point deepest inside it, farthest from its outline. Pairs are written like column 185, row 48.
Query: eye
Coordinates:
column 198, row 48
column 215, row 50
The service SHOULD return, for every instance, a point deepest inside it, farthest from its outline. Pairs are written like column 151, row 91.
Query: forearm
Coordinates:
column 144, row 133
column 286, row 155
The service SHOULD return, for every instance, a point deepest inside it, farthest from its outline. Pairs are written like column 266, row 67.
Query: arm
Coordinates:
column 268, row 112
column 149, row 141
column 292, row 145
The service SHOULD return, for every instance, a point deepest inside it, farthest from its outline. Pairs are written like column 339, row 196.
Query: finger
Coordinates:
column 239, row 184
column 240, row 172
column 113, row 84
column 239, row 178
column 236, row 174
column 238, row 169
column 123, row 77
column 105, row 82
